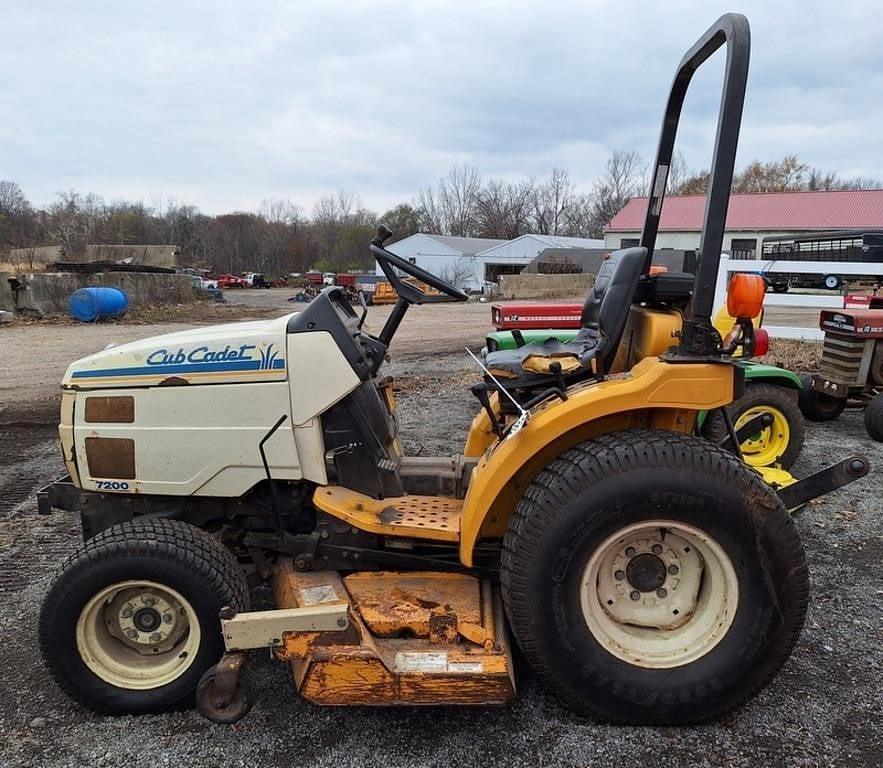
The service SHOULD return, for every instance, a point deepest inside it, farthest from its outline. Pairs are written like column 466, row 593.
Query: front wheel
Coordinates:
column 874, row 418
column 130, row 623
column 777, row 445
column 817, row 406
column 652, row 578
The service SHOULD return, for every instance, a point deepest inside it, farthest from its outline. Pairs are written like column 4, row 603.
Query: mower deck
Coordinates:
column 412, row 638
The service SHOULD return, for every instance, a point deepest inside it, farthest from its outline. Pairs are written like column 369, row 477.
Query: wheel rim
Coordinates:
column 659, row 594
column 831, row 282
column 138, row 635
column 766, row 446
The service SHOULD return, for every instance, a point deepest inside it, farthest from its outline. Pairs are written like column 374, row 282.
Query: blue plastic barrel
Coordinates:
column 97, row 303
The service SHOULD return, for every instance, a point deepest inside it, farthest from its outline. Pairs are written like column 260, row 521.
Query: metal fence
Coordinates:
column 809, row 300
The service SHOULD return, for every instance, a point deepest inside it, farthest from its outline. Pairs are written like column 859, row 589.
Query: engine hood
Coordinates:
column 250, row 351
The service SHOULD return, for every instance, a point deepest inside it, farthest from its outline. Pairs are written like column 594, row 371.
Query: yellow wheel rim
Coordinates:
column 765, row 447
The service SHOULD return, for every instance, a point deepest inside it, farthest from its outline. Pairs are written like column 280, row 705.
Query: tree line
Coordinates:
column 280, row 237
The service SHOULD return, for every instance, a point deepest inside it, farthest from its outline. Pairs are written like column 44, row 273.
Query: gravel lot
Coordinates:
column 824, row 709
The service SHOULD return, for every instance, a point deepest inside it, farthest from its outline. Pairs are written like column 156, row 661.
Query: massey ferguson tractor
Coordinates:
column 851, row 372
column 647, row 574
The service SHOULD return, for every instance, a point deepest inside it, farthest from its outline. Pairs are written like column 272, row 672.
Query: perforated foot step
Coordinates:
column 419, row 517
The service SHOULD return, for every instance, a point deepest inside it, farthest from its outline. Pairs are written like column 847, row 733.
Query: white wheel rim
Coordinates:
column 138, row 635
column 659, row 594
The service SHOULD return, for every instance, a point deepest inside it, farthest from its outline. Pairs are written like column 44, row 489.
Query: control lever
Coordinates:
column 364, row 305
column 383, row 234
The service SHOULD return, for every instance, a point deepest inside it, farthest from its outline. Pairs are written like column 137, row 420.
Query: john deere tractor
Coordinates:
column 767, row 417
column 647, row 574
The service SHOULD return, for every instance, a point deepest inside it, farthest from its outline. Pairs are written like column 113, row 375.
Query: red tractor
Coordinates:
column 851, row 372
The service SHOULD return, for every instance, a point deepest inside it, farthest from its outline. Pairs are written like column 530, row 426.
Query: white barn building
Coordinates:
column 470, row 263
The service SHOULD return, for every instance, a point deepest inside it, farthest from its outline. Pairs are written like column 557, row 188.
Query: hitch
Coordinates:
column 824, row 481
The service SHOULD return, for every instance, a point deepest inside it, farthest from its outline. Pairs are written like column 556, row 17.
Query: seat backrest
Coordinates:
column 610, row 298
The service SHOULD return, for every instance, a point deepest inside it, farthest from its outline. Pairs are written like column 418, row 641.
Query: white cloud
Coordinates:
column 223, row 106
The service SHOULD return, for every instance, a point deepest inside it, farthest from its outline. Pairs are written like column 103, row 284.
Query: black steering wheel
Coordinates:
column 389, row 262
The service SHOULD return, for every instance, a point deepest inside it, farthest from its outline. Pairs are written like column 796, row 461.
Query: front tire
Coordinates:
column 874, row 418
column 777, row 445
column 130, row 623
column 817, row 406
column 652, row 578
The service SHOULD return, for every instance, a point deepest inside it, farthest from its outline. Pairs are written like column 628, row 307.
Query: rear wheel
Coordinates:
column 817, row 406
column 874, row 418
column 776, row 445
column 652, row 578
column 130, row 622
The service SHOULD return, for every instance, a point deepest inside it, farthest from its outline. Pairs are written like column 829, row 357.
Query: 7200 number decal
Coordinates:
column 108, row 485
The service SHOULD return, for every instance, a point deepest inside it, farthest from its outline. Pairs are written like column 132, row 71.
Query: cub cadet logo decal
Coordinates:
column 200, row 355
column 203, row 359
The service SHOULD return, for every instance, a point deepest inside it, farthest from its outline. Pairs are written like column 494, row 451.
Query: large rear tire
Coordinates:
column 777, row 445
column 130, row 623
column 652, row 578
column 817, row 406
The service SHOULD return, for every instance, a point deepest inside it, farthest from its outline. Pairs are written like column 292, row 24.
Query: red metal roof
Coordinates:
column 837, row 209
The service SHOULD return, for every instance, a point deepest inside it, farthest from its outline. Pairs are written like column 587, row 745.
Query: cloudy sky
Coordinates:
column 223, row 104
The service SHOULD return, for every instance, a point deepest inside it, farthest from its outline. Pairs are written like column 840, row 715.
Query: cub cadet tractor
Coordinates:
column 647, row 575
column 851, row 372
column 767, row 419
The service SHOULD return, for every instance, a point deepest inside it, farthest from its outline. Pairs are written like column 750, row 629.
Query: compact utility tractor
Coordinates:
column 647, row 575
column 767, row 419
column 851, row 371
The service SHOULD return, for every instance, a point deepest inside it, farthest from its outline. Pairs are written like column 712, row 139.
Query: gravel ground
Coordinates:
column 824, row 709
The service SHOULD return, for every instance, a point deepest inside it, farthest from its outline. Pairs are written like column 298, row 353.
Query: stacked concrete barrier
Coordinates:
column 545, row 286
column 7, row 297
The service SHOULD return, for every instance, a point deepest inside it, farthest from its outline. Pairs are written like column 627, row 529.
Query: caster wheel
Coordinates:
column 212, row 706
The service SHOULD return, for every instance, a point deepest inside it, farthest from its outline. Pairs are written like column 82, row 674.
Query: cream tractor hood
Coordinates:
column 220, row 354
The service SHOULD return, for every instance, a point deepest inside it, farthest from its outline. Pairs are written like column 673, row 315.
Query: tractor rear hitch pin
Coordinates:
column 824, row 481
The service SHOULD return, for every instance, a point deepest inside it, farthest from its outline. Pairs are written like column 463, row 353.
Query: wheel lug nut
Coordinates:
column 126, row 612
column 131, row 633
column 630, row 551
column 619, row 575
column 167, row 618
column 150, row 601
column 661, row 592
column 635, row 595
column 672, row 569
column 156, row 637
column 657, row 549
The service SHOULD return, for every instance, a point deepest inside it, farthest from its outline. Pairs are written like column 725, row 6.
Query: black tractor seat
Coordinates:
column 603, row 319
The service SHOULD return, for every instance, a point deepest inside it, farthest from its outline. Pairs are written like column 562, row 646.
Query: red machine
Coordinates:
column 536, row 316
column 231, row 281
column 851, row 372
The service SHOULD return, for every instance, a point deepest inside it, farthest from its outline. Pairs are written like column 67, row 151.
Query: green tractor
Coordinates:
column 767, row 418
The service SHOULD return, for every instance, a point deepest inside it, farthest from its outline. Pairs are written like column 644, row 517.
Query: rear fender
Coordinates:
column 653, row 394
column 773, row 374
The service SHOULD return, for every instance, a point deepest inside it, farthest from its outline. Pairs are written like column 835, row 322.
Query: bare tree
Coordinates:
column 580, row 217
column 624, row 178
column 458, row 273
column 551, row 201
column 449, row 208
column 502, row 210
column 678, row 173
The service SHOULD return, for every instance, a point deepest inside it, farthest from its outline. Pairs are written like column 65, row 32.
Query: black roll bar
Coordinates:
column 731, row 30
